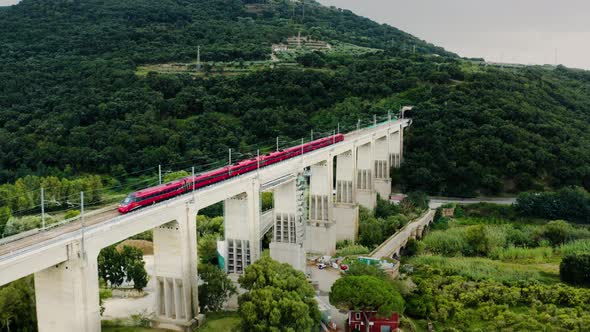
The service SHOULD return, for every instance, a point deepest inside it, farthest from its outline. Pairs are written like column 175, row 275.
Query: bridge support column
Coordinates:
column 242, row 229
column 365, row 184
column 289, row 229
column 395, row 147
column 320, row 235
column 381, row 169
column 175, row 272
column 67, row 294
column 345, row 210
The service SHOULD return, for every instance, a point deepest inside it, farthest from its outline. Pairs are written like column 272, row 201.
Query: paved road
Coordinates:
column 438, row 201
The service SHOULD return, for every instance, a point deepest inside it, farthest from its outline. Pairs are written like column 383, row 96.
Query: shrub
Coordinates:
column 536, row 255
column 354, row 249
column 71, row 214
column 575, row 247
column 572, row 204
column 575, row 269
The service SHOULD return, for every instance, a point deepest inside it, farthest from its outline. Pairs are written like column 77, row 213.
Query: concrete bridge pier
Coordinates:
column 346, row 212
column 242, row 229
column 365, row 184
column 175, row 271
column 67, row 294
column 382, row 167
column 321, row 232
column 395, row 148
column 287, row 245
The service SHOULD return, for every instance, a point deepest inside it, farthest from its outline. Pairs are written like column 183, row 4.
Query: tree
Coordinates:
column 362, row 269
column 115, row 266
column 279, row 298
column 558, row 232
column 366, row 293
column 207, row 248
column 17, row 306
column 411, row 248
column 575, row 269
column 110, row 266
column 5, row 214
column 215, row 289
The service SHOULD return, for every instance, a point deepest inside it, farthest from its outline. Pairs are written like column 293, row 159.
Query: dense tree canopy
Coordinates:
column 279, row 298
column 367, row 293
column 73, row 102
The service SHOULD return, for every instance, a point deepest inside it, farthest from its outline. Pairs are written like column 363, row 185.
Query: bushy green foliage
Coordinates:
column 411, row 248
column 578, row 247
column 216, row 288
column 479, row 136
column 366, row 293
column 362, row 269
column 490, row 210
column 5, row 215
column 115, row 267
column 525, row 306
column 16, row 225
column 278, row 298
column 375, row 227
column 513, row 254
column 17, row 306
column 494, row 237
column 207, row 248
column 575, row 269
column 90, row 111
column 24, row 195
column 572, row 204
column 175, row 176
column 353, row 249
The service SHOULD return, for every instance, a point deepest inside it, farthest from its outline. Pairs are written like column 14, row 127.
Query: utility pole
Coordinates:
column 338, row 127
column 229, row 163
column 358, row 125
column 374, row 119
column 160, row 173
column 258, row 161
column 83, row 220
column 193, row 174
column 311, row 136
column 277, row 143
column 43, row 208
column 301, row 148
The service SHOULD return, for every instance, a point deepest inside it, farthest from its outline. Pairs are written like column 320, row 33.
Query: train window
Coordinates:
column 130, row 198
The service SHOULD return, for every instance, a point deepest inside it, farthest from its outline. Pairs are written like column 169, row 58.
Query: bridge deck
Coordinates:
column 94, row 220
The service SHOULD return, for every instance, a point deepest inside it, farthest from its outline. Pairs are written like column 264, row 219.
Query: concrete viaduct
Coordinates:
column 341, row 176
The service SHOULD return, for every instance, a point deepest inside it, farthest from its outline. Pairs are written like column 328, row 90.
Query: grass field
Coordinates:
column 226, row 322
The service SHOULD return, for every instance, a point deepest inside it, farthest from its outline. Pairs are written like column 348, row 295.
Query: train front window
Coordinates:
column 128, row 199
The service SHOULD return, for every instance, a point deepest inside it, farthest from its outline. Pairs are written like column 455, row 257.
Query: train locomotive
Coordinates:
column 152, row 195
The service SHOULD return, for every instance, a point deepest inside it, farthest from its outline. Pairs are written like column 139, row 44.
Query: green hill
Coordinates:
column 71, row 97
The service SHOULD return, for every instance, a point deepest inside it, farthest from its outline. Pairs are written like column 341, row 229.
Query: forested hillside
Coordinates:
column 70, row 96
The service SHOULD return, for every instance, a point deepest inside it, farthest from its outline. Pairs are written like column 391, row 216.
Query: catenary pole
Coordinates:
column 43, row 208
column 160, row 173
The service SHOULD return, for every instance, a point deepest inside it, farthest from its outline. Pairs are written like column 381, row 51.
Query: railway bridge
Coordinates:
column 306, row 218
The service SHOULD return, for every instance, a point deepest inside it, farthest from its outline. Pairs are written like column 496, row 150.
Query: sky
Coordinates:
column 519, row 31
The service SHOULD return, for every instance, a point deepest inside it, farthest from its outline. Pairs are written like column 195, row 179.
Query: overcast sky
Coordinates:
column 523, row 31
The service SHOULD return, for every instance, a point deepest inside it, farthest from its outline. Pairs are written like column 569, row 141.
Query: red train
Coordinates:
column 162, row 192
